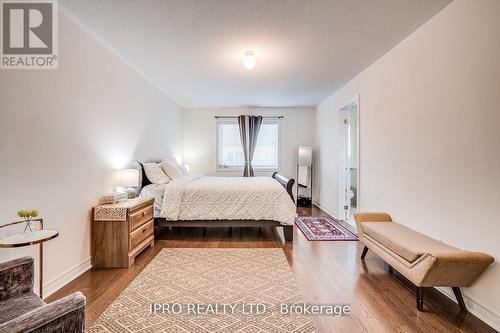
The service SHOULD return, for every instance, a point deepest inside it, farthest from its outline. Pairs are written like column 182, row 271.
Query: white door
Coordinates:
column 349, row 160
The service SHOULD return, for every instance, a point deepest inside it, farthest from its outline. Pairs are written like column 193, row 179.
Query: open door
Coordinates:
column 349, row 180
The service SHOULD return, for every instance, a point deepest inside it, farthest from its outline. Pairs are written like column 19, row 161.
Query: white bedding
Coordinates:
column 154, row 191
column 227, row 198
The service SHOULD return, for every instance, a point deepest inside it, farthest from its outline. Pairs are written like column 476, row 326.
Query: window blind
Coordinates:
column 230, row 152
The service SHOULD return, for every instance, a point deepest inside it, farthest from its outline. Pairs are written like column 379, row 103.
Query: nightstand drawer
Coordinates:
column 138, row 218
column 140, row 234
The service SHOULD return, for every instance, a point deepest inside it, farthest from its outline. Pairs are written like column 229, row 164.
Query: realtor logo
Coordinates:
column 29, row 34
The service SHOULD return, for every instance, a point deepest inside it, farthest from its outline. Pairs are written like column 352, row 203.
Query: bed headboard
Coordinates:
column 144, row 179
column 286, row 183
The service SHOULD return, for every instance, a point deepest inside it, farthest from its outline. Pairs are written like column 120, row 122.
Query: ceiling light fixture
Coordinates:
column 249, row 60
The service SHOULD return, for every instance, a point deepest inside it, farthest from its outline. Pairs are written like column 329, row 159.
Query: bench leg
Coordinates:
column 365, row 250
column 420, row 298
column 460, row 299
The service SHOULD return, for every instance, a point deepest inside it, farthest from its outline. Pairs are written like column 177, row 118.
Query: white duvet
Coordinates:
column 227, row 198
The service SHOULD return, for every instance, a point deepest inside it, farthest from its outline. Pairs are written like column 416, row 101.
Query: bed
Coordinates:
column 200, row 201
column 156, row 191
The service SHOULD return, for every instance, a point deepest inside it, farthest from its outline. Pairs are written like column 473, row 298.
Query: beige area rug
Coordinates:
column 209, row 290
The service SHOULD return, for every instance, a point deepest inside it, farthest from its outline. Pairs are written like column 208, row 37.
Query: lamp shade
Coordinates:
column 129, row 177
column 305, row 156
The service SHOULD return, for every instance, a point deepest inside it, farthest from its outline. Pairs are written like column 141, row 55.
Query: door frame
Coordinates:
column 341, row 184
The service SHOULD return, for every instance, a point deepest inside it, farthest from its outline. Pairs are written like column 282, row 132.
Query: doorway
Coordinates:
column 349, row 161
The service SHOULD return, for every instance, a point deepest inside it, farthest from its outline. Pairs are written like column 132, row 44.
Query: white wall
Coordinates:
column 63, row 131
column 429, row 118
column 200, row 137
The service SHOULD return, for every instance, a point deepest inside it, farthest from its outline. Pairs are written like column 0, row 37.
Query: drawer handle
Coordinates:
column 143, row 213
column 143, row 230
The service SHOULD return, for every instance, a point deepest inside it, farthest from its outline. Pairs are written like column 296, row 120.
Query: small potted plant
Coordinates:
column 28, row 215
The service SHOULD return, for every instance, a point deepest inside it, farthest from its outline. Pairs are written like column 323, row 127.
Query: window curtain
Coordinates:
column 249, row 132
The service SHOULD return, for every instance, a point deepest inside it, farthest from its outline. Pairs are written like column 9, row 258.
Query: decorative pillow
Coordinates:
column 171, row 169
column 155, row 173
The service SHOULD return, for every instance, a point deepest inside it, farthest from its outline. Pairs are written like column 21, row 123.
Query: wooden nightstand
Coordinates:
column 121, row 231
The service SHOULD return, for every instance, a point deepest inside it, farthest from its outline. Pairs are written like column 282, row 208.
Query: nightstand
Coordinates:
column 121, row 231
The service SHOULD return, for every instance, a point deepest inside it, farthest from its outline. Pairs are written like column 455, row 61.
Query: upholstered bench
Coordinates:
column 424, row 261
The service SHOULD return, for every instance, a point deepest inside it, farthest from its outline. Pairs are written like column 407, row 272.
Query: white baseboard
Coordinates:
column 327, row 210
column 66, row 277
column 476, row 309
column 331, row 212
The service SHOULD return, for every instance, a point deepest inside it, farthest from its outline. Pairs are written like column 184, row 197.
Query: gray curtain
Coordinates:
column 249, row 132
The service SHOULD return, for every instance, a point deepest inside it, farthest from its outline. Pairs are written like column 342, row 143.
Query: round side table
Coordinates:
column 31, row 238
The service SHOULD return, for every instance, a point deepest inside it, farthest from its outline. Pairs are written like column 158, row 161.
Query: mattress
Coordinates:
column 156, row 191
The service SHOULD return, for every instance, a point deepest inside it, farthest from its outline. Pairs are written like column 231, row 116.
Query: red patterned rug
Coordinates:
column 324, row 228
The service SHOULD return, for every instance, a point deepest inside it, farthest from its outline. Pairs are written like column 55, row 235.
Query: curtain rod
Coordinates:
column 235, row 117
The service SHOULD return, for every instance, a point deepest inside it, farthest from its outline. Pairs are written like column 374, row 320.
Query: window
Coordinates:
column 230, row 152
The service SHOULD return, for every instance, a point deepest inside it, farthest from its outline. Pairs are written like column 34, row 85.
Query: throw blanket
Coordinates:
column 227, row 198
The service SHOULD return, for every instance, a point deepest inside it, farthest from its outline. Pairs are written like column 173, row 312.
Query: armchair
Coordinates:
column 21, row 310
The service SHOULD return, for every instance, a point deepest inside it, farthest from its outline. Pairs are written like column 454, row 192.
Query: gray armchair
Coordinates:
column 21, row 310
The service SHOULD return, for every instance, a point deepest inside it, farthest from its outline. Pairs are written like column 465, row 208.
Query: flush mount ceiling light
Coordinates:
column 249, row 60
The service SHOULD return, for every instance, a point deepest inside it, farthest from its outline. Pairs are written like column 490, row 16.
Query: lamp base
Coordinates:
column 131, row 192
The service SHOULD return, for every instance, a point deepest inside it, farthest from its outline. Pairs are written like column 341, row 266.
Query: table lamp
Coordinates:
column 128, row 179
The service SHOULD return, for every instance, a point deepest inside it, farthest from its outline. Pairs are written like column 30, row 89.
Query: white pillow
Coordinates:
column 155, row 173
column 171, row 169
column 183, row 169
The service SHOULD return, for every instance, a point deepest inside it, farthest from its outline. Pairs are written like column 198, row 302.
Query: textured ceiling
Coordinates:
column 305, row 50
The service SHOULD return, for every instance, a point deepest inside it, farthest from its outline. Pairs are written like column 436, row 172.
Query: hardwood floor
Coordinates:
column 327, row 272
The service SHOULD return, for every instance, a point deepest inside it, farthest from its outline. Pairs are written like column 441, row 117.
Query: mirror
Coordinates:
column 304, row 177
